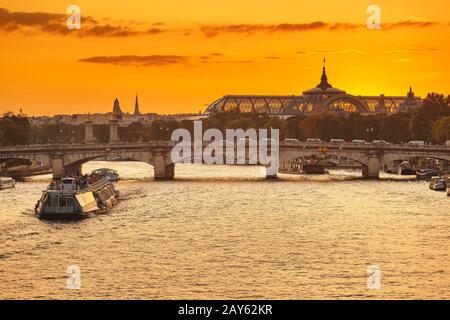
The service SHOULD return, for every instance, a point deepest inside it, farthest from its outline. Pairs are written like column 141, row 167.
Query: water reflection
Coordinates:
column 225, row 232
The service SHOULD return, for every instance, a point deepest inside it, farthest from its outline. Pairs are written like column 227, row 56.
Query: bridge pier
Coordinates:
column 57, row 167
column 372, row 169
column 114, row 131
column 60, row 171
column 163, row 170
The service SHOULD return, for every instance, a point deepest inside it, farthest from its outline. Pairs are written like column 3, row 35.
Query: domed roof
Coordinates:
column 323, row 87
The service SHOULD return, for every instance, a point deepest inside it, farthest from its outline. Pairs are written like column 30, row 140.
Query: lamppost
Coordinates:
column 369, row 133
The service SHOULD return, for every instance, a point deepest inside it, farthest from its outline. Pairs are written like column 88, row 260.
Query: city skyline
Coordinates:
column 181, row 58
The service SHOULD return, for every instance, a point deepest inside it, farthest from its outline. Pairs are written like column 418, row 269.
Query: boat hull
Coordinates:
column 438, row 188
column 76, row 205
column 7, row 183
column 62, row 216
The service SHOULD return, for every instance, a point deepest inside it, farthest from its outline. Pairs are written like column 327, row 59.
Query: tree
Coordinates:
column 441, row 130
column 132, row 133
column 434, row 107
column 325, row 126
column 15, row 129
column 395, row 128
column 101, row 132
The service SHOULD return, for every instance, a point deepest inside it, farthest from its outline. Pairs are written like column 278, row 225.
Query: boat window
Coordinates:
column 62, row 201
column 54, row 201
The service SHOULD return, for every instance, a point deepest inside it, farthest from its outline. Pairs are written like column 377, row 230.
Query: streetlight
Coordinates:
column 369, row 133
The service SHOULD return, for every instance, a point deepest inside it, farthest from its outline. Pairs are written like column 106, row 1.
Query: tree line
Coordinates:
column 430, row 123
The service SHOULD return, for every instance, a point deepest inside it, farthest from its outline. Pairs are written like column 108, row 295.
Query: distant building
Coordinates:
column 136, row 107
column 117, row 112
column 321, row 98
column 125, row 119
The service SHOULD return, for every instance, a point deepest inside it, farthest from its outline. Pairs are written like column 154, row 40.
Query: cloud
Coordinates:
column 252, row 29
column 142, row 61
column 34, row 23
column 157, row 60
column 214, row 30
column 408, row 24
column 410, row 49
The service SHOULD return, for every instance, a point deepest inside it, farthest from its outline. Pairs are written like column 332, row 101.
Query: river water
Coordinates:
column 224, row 232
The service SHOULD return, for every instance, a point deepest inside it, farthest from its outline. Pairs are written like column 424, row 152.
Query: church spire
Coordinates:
column 324, row 85
column 117, row 112
column 410, row 95
column 136, row 107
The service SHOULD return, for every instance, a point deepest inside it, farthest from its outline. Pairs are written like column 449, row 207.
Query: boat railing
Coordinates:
column 98, row 184
column 93, row 187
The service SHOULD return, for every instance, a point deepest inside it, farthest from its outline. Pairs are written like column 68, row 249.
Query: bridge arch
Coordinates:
column 71, row 163
column 288, row 156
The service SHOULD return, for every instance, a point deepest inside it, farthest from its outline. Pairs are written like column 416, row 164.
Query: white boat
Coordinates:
column 68, row 201
column 6, row 183
column 111, row 174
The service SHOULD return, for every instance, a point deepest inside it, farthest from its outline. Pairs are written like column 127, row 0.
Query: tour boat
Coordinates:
column 6, row 183
column 438, row 184
column 405, row 169
column 68, row 201
column 426, row 174
column 299, row 167
column 111, row 174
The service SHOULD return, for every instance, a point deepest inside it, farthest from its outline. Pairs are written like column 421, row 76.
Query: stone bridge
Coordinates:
column 68, row 159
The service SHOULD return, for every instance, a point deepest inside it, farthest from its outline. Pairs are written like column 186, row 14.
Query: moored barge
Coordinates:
column 6, row 183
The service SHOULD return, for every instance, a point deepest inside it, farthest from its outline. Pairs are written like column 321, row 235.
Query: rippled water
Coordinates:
column 225, row 232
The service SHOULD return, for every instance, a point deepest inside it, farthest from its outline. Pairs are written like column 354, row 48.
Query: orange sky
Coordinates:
column 181, row 55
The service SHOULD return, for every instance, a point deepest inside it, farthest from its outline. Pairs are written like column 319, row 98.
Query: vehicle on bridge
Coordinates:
column 380, row 142
column 356, row 141
column 68, row 202
column 416, row 143
column 337, row 141
column 6, row 183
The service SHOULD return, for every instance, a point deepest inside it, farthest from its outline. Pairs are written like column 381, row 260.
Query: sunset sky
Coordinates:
column 179, row 55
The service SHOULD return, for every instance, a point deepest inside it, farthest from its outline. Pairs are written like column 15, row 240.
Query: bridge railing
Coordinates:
column 168, row 144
